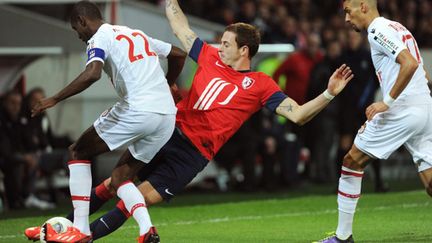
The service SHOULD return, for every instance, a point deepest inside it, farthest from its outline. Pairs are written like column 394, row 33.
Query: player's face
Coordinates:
column 229, row 52
column 352, row 15
column 81, row 30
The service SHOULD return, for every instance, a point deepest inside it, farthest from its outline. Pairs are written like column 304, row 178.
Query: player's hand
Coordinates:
column 175, row 92
column 42, row 105
column 339, row 79
column 374, row 109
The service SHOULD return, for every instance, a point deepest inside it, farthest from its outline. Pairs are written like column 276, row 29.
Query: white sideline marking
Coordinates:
column 257, row 217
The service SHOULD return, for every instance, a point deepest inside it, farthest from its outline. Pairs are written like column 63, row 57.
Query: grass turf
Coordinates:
column 391, row 217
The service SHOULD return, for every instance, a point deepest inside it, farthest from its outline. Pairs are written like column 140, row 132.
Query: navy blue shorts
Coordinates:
column 174, row 166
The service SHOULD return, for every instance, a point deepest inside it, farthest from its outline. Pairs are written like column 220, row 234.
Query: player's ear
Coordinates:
column 244, row 51
column 364, row 8
column 82, row 21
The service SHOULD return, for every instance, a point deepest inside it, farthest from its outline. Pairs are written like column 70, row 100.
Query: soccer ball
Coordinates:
column 59, row 224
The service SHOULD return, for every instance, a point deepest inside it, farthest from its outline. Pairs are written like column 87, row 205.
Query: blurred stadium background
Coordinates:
column 39, row 49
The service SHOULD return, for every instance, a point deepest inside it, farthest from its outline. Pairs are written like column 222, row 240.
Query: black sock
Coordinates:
column 108, row 223
column 95, row 204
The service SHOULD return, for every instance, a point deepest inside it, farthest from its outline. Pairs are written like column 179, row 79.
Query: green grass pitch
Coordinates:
column 391, row 217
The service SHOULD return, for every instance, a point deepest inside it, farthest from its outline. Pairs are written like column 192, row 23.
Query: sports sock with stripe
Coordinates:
column 98, row 197
column 348, row 196
column 80, row 182
column 134, row 202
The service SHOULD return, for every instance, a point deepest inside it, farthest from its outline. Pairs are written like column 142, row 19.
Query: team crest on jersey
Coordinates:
column 247, row 82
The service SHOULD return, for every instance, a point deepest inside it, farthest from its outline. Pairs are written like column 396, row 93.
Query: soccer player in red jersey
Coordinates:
column 224, row 94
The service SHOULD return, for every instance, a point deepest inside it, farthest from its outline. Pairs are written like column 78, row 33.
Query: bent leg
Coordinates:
column 349, row 190
column 121, row 177
column 426, row 178
column 115, row 218
column 80, row 181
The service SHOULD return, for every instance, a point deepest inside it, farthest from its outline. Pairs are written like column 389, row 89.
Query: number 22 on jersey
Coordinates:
column 130, row 40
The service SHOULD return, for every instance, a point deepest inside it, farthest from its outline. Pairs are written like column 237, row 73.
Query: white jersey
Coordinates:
column 131, row 59
column 387, row 39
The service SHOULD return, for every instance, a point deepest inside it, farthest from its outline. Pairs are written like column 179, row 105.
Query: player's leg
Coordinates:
column 116, row 217
column 82, row 151
column 98, row 197
column 426, row 177
column 176, row 165
column 349, row 189
column 121, row 182
column 157, row 130
column 419, row 147
column 378, row 138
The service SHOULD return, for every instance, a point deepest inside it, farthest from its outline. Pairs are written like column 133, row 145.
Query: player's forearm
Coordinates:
column 310, row 109
column 304, row 113
column 179, row 24
column 82, row 82
column 406, row 73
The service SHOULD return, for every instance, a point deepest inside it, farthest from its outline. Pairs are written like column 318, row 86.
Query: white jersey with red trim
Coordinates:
column 131, row 59
column 387, row 39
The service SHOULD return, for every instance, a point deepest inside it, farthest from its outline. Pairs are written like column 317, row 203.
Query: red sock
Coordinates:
column 102, row 192
column 120, row 205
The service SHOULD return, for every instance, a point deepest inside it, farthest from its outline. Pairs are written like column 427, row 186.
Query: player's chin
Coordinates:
column 356, row 29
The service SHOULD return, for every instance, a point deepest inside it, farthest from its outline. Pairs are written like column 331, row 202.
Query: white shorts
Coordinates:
column 408, row 124
column 144, row 132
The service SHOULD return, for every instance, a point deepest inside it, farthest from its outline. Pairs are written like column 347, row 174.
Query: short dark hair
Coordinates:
column 247, row 35
column 86, row 9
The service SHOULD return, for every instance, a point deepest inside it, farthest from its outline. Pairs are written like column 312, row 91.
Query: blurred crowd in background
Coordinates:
column 291, row 21
column 267, row 152
column 29, row 152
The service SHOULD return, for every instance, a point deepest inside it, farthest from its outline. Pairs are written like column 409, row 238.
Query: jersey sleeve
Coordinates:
column 387, row 41
column 201, row 51
column 98, row 46
column 272, row 95
column 161, row 48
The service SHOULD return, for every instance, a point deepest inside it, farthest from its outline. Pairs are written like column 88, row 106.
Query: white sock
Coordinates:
column 80, row 183
column 135, row 204
column 348, row 195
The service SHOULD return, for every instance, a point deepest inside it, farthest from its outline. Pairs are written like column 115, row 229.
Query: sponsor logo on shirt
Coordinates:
column 385, row 42
column 219, row 65
column 247, row 82
column 212, row 92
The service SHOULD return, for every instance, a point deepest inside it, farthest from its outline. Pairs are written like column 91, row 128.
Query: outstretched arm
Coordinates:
column 179, row 24
column 91, row 74
column 300, row 114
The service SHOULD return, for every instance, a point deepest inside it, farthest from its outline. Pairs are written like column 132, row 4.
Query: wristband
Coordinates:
column 388, row 100
column 328, row 95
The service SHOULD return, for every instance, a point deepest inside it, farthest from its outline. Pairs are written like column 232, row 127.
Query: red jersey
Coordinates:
column 221, row 99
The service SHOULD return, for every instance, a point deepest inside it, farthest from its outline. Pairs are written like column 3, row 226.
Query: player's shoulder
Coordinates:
column 383, row 25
